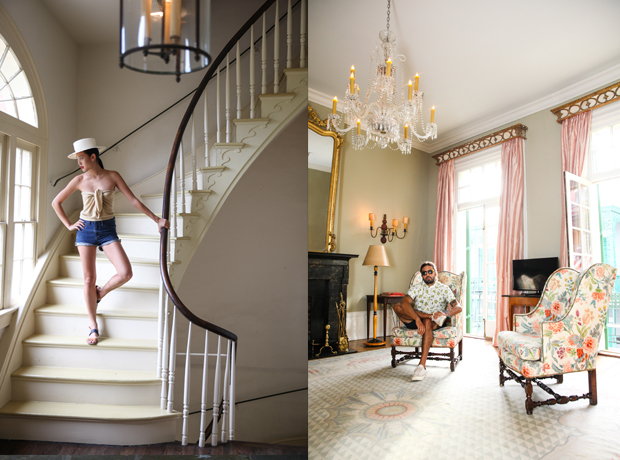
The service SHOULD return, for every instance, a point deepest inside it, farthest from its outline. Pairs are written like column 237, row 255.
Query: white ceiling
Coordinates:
column 482, row 63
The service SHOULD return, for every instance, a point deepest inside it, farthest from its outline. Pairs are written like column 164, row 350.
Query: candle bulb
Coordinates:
column 417, row 81
column 335, row 103
column 371, row 218
column 359, row 127
column 410, row 89
column 405, row 222
column 395, row 223
column 406, row 132
column 352, row 82
column 433, row 114
column 353, row 71
column 389, row 67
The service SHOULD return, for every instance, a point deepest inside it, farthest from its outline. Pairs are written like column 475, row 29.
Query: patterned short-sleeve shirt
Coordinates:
column 430, row 299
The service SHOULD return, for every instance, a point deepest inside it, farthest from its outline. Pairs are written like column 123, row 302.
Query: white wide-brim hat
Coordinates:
column 84, row 144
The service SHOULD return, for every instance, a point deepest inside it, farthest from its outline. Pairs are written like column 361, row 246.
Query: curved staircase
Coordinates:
column 67, row 391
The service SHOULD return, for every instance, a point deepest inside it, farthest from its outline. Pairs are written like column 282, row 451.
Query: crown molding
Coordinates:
column 568, row 93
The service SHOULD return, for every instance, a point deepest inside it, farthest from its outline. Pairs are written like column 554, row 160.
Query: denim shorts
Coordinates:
column 97, row 233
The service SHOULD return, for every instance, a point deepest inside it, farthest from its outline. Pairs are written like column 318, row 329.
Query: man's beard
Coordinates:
column 432, row 280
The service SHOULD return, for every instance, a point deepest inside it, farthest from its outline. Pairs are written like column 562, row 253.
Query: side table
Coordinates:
column 523, row 302
column 384, row 300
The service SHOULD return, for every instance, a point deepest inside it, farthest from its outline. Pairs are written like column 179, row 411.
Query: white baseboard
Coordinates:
column 356, row 324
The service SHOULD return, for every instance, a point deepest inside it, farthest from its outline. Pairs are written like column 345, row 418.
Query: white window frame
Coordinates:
column 15, row 132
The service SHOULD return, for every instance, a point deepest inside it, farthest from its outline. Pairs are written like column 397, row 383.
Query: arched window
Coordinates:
column 23, row 165
column 15, row 93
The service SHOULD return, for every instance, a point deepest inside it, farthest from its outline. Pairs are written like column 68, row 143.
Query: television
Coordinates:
column 530, row 275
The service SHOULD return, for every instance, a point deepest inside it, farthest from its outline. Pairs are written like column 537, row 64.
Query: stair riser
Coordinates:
column 144, row 248
column 85, row 393
column 245, row 129
column 142, row 274
column 144, row 226
column 119, row 298
column 295, row 80
column 272, row 104
column 119, row 328
column 80, row 431
column 91, row 357
column 193, row 203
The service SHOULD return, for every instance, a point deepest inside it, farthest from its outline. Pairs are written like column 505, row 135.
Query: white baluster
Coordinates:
column 173, row 356
column 205, row 384
column 182, row 176
column 276, row 54
column 173, row 224
column 186, row 387
column 217, row 106
column 225, row 394
column 252, row 82
column 194, row 178
column 231, row 417
column 289, row 35
column 206, row 131
column 238, row 72
column 160, row 325
column 216, row 394
column 264, row 58
column 302, row 35
column 164, row 372
column 227, row 101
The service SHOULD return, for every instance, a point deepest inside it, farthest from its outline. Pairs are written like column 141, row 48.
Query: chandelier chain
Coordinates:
column 388, row 18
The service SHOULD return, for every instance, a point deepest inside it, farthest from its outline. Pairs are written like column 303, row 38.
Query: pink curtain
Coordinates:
column 510, row 228
column 575, row 137
column 444, row 222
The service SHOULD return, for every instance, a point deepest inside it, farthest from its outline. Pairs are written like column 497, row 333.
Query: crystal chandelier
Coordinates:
column 392, row 118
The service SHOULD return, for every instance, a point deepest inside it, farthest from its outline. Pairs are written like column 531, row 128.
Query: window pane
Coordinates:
column 584, row 194
column 10, row 66
column 18, row 247
column 575, row 212
column 29, row 241
column 18, row 166
column 9, row 108
column 574, row 189
column 17, row 216
column 19, row 86
column 464, row 178
column 5, row 93
column 577, row 241
column 465, row 194
column 25, row 205
column 26, row 111
column 26, row 170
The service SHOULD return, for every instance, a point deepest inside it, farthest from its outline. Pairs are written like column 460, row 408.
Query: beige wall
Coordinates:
column 383, row 182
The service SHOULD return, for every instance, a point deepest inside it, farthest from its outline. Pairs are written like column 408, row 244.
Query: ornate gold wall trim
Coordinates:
column 589, row 102
column 314, row 118
column 482, row 143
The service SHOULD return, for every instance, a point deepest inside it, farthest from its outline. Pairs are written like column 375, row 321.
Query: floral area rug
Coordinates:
column 359, row 407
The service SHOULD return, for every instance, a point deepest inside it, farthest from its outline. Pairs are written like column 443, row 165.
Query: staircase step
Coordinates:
column 73, row 351
column 245, row 127
column 147, row 246
column 114, row 323
column 194, row 199
column 141, row 223
column 67, row 422
column 71, row 385
column 269, row 103
column 145, row 271
column 296, row 79
column 70, row 291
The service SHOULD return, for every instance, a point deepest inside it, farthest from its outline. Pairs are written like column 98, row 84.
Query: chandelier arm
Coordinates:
column 376, row 232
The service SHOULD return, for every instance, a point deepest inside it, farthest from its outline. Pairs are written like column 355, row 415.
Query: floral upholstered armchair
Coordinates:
column 449, row 337
column 562, row 335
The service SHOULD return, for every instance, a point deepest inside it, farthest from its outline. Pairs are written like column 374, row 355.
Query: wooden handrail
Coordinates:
column 163, row 262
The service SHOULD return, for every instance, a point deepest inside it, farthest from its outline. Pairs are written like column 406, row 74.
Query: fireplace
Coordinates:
column 328, row 277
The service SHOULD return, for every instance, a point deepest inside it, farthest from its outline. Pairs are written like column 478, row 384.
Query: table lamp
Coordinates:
column 376, row 256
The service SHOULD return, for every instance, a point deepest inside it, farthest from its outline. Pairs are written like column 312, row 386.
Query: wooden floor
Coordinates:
column 8, row 447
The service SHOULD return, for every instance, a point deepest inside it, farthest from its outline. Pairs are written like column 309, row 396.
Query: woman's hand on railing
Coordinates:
column 161, row 222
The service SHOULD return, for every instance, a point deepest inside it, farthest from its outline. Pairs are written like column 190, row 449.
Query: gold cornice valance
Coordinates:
column 589, row 102
column 482, row 143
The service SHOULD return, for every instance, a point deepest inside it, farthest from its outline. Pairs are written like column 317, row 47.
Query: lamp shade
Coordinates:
column 376, row 255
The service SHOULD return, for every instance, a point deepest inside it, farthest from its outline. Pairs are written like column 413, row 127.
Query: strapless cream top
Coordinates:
column 98, row 205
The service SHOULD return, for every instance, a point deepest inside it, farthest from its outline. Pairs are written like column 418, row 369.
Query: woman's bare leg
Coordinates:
column 87, row 255
column 117, row 256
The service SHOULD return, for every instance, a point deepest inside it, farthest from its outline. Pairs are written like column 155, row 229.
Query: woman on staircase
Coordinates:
column 96, row 226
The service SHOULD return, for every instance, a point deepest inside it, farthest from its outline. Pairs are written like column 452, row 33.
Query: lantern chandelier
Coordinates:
column 391, row 119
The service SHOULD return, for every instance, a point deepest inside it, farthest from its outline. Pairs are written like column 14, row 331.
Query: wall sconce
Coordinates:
column 165, row 36
column 387, row 233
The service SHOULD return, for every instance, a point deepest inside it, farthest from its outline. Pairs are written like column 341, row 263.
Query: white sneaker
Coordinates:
column 419, row 373
column 440, row 320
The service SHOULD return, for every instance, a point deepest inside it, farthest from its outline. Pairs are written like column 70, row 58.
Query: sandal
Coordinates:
column 93, row 340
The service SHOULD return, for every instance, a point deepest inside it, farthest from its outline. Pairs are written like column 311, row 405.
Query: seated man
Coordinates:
column 425, row 308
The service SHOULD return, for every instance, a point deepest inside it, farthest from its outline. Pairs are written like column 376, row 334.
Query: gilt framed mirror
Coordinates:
column 323, row 169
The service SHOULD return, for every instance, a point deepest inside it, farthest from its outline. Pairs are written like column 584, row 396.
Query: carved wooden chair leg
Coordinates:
column 461, row 350
column 529, row 404
column 559, row 378
column 393, row 356
column 592, row 385
column 502, row 378
column 452, row 360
